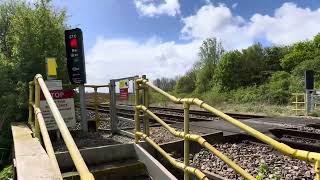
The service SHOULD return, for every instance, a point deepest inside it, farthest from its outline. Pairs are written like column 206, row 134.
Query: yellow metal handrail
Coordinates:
column 95, row 101
column 312, row 157
column 40, row 127
column 298, row 103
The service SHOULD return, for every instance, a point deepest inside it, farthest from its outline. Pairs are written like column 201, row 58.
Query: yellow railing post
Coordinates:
column 296, row 104
column 146, row 104
column 186, row 107
column 31, row 94
column 95, row 103
column 37, row 105
column 136, row 111
column 317, row 170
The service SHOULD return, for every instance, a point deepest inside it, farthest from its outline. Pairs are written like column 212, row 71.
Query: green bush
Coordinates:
column 214, row 96
column 248, row 94
column 187, row 83
column 278, row 88
column 6, row 173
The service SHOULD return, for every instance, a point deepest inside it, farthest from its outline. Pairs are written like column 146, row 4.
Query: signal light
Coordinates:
column 75, row 56
column 74, row 43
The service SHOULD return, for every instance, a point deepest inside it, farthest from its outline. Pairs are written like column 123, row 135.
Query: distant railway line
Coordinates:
column 170, row 114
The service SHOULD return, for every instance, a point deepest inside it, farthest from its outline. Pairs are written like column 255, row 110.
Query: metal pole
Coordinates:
column 136, row 111
column 96, row 114
column 113, row 107
column 37, row 105
column 186, row 107
column 84, row 123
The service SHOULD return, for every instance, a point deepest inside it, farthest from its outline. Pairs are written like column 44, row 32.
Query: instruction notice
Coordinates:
column 65, row 103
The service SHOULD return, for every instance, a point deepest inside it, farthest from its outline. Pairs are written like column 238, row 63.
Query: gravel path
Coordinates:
column 251, row 156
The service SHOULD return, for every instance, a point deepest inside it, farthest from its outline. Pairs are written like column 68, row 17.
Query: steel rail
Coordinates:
column 79, row 163
column 313, row 157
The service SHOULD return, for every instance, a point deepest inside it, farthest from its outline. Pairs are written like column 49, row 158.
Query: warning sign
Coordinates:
column 124, row 85
column 65, row 103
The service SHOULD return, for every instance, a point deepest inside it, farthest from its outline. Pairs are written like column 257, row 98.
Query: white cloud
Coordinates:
column 115, row 58
column 217, row 21
column 119, row 58
column 288, row 24
column 148, row 7
column 235, row 5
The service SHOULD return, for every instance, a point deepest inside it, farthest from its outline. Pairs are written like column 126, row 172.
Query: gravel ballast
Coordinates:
column 250, row 156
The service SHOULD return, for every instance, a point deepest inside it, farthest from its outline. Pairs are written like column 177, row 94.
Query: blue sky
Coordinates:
column 162, row 37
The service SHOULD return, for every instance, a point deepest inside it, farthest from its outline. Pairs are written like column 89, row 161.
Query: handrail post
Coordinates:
column 136, row 111
column 113, row 107
column 317, row 170
column 31, row 93
column 296, row 105
column 146, row 128
column 186, row 107
column 37, row 105
column 95, row 102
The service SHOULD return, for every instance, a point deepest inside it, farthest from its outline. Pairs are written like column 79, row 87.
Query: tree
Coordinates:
column 273, row 55
column 210, row 54
column 166, row 84
column 187, row 83
column 28, row 34
column 241, row 69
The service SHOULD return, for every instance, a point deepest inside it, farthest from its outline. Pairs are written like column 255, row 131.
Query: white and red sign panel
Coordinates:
column 65, row 103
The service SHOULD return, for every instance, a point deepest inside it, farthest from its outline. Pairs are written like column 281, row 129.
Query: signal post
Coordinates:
column 76, row 67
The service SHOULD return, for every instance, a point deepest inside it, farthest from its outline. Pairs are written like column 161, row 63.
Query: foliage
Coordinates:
column 186, row 83
column 28, row 34
column 240, row 69
column 6, row 173
column 263, row 170
column 254, row 74
column 278, row 88
column 210, row 55
column 165, row 84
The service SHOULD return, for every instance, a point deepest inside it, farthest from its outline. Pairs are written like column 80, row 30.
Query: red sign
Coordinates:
column 124, row 94
column 59, row 94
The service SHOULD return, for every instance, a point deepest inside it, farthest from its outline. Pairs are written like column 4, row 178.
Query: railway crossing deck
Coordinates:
column 144, row 158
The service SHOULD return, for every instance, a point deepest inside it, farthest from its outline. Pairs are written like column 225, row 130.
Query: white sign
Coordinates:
column 65, row 103
column 54, row 84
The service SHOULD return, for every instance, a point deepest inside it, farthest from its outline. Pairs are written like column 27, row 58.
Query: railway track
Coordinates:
column 170, row 114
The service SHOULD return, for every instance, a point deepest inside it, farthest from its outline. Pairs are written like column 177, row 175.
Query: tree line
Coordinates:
column 253, row 74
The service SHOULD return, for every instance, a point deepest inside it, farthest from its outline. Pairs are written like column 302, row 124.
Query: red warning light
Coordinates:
column 74, row 43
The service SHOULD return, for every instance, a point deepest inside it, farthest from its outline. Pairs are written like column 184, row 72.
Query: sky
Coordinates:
column 161, row 38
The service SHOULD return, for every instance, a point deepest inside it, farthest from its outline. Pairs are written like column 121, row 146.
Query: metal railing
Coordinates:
column 95, row 101
column 143, row 84
column 299, row 106
column 39, row 127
